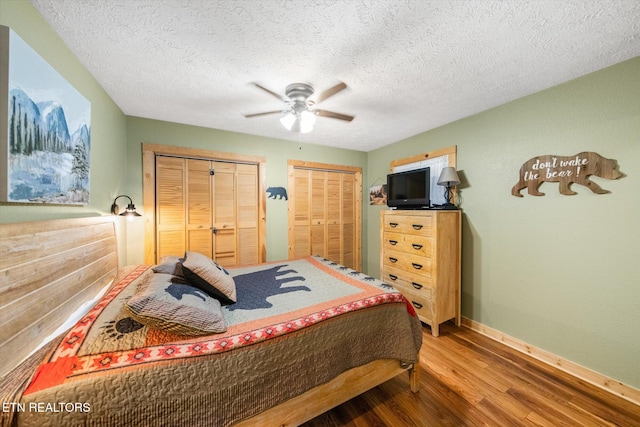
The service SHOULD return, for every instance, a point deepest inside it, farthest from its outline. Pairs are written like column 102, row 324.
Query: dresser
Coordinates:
column 420, row 256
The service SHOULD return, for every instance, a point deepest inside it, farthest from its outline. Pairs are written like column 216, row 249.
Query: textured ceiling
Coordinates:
column 410, row 65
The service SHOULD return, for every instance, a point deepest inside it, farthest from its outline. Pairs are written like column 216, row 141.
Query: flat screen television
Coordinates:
column 409, row 189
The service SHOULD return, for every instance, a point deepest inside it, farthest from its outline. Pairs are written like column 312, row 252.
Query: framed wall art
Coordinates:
column 45, row 130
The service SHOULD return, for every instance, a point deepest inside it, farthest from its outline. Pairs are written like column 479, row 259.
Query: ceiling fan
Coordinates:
column 300, row 112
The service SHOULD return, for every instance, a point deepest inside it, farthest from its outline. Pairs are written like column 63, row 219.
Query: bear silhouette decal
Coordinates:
column 277, row 193
column 251, row 297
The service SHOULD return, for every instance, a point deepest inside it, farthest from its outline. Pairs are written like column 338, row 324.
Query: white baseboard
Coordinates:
column 619, row 389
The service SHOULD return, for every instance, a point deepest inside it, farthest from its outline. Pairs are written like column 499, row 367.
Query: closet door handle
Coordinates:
column 416, row 246
column 393, row 242
column 416, row 305
column 417, row 226
column 416, row 285
column 393, row 277
column 393, row 260
column 214, row 230
column 393, row 224
column 416, row 265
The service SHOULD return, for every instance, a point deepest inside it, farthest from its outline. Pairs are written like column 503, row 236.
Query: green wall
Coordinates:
column 558, row 272
column 108, row 123
column 277, row 153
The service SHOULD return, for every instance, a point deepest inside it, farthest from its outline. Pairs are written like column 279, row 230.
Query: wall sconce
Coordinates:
column 130, row 212
column 448, row 178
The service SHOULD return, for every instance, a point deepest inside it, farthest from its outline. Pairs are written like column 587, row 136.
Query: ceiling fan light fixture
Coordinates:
column 300, row 114
column 288, row 120
column 307, row 121
column 302, row 122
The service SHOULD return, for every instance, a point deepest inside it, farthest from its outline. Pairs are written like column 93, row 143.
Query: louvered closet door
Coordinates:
column 348, row 220
column 207, row 207
column 318, row 208
column 199, row 207
column 170, row 206
column 224, row 217
column 235, row 213
column 248, row 214
column 324, row 214
column 299, row 195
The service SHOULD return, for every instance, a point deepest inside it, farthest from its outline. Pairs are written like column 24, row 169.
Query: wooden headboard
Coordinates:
column 47, row 270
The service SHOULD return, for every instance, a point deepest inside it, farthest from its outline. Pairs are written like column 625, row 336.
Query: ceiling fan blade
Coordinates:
column 325, row 113
column 280, row 97
column 330, row 92
column 248, row 116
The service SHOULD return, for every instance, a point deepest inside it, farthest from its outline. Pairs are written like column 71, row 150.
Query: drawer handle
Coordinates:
column 417, row 226
column 393, row 277
column 416, row 266
column 416, row 285
column 416, row 246
column 393, row 224
column 392, row 259
column 416, row 305
column 393, row 242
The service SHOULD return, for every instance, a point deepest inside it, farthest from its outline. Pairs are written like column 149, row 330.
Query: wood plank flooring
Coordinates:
column 468, row 379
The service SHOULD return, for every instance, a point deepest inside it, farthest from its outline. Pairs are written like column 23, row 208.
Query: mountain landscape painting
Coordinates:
column 48, row 131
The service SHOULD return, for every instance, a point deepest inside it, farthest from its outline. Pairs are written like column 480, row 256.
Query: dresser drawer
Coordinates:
column 407, row 224
column 411, row 263
column 423, row 306
column 411, row 244
column 403, row 280
column 392, row 241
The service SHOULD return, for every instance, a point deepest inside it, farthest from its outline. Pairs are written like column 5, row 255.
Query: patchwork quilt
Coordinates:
column 296, row 324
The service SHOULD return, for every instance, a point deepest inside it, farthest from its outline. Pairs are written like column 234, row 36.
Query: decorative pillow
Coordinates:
column 206, row 274
column 169, row 265
column 179, row 308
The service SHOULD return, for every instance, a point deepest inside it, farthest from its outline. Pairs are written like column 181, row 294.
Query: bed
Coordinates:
column 289, row 339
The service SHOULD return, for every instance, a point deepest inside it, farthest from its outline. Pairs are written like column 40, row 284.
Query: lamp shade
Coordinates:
column 307, row 120
column 299, row 121
column 288, row 120
column 129, row 212
column 448, row 177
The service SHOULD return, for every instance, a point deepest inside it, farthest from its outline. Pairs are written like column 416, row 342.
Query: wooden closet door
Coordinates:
column 333, row 200
column 184, row 200
column 199, row 207
column 170, row 206
column 208, row 207
column 300, row 214
column 318, row 208
column 235, row 214
column 324, row 214
column 248, row 214
column 183, row 206
column 224, row 213
column 348, row 220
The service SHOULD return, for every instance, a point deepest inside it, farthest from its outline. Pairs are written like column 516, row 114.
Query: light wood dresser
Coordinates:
column 420, row 256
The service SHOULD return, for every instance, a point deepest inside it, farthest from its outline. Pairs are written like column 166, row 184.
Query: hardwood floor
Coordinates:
column 468, row 379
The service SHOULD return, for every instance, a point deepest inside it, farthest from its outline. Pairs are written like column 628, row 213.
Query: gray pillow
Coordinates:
column 169, row 265
column 179, row 308
column 204, row 273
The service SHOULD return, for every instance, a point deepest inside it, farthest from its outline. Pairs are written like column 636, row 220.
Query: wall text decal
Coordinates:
column 566, row 170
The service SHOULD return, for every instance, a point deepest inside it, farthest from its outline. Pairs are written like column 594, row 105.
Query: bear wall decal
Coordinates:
column 277, row 193
column 565, row 170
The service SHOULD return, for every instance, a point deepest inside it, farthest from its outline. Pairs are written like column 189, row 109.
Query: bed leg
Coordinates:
column 414, row 377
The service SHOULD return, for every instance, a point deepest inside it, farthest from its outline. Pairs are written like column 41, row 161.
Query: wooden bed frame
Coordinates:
column 48, row 269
